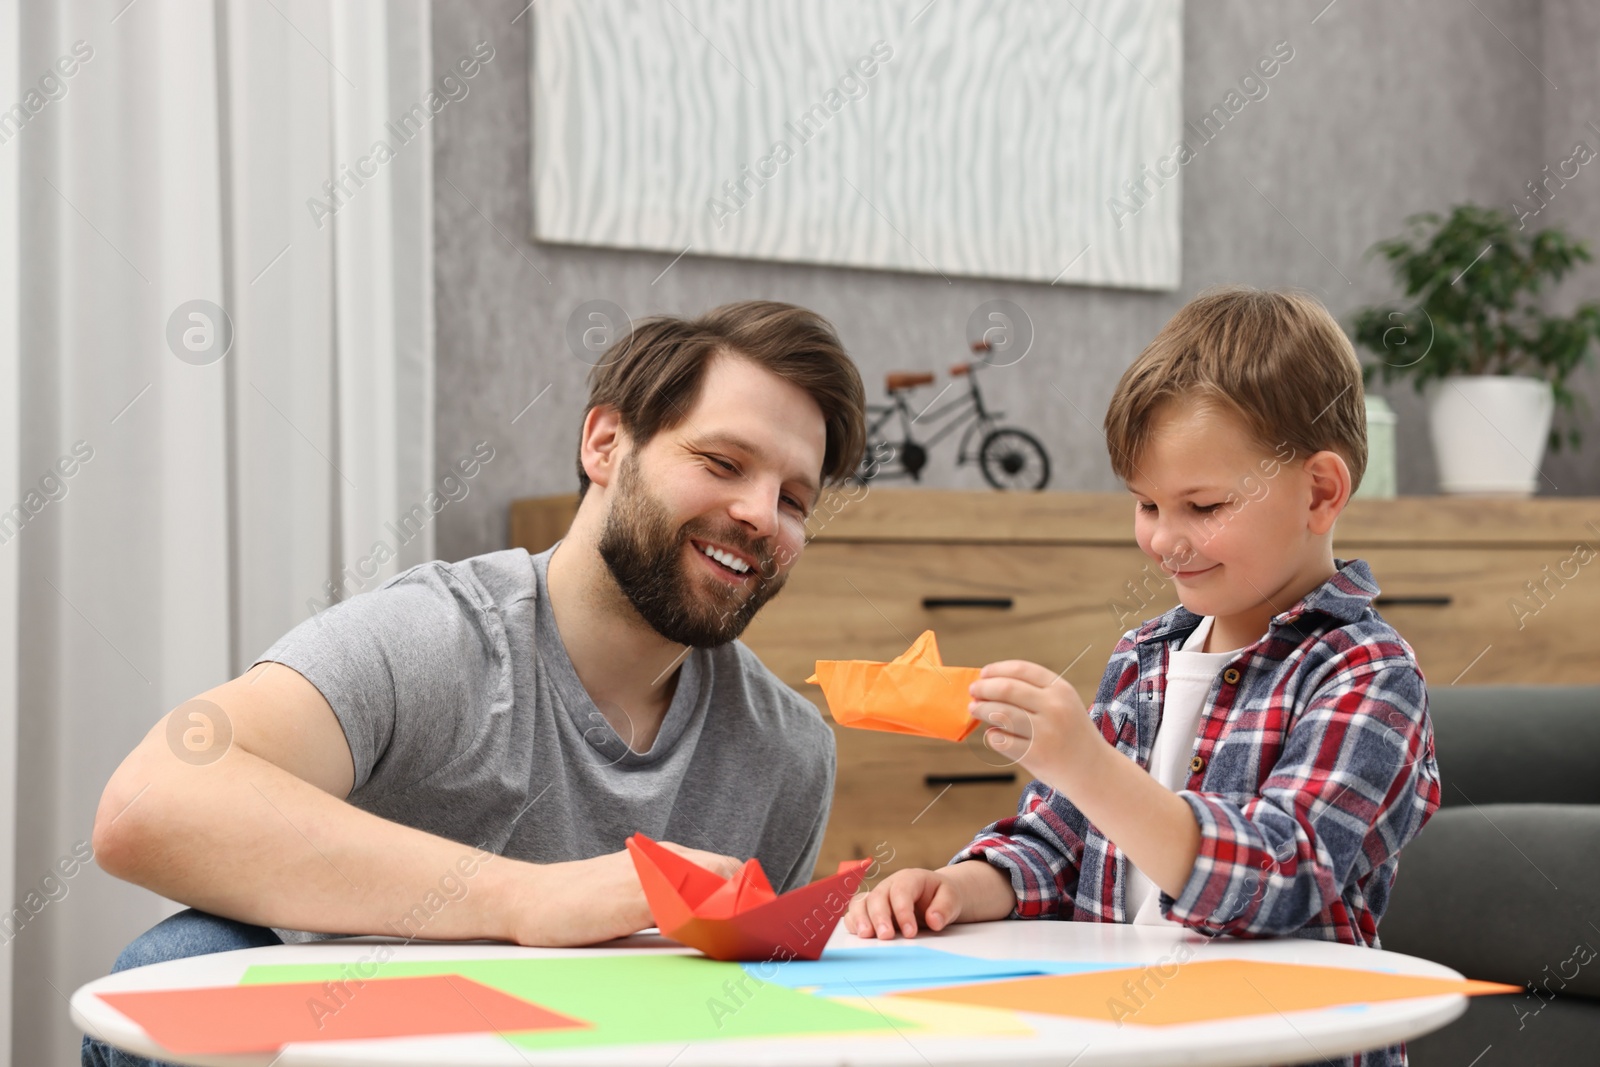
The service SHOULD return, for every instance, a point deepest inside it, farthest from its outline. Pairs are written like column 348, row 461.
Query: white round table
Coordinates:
column 1060, row 1041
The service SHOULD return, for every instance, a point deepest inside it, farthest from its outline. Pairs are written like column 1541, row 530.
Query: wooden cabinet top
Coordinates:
column 880, row 513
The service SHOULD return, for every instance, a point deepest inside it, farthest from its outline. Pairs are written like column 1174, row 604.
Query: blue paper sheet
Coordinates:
column 870, row 972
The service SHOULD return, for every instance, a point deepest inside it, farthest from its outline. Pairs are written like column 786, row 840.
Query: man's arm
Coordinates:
column 262, row 834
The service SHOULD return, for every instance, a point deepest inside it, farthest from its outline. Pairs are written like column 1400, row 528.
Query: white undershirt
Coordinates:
column 1189, row 678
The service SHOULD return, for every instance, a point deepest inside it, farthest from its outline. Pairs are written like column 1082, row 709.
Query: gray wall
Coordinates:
column 1386, row 109
column 1570, row 59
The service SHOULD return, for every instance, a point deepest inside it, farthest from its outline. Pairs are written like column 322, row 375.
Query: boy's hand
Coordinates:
column 902, row 899
column 1036, row 718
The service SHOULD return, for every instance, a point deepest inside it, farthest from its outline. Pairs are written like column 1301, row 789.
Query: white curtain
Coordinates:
column 167, row 510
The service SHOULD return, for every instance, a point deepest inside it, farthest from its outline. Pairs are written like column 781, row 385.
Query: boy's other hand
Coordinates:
column 1035, row 717
column 902, row 900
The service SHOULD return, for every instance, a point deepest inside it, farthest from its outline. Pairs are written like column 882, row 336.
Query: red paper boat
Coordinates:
column 740, row 918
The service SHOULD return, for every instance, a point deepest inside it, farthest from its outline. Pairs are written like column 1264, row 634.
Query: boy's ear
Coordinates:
column 601, row 445
column 1329, row 478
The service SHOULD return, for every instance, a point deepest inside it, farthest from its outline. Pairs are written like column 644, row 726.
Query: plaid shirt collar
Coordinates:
column 1345, row 596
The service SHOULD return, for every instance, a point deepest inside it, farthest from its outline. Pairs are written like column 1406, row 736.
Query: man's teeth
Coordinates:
column 732, row 562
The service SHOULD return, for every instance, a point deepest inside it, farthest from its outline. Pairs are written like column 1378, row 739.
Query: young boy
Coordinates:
column 1256, row 758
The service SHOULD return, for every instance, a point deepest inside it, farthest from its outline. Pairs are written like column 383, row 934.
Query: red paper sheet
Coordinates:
column 262, row 1018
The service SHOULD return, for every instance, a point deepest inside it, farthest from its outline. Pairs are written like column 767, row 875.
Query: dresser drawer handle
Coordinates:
column 1412, row 601
column 1002, row 778
column 1002, row 602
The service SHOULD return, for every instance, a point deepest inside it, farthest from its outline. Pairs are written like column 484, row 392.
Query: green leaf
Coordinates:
column 1472, row 282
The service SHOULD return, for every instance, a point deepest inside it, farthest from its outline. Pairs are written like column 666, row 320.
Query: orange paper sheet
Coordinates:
column 262, row 1018
column 914, row 693
column 1164, row 995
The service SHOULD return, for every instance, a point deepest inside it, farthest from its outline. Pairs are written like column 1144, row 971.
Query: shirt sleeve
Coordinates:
column 1040, row 851
column 411, row 669
column 1041, row 847
column 1355, row 780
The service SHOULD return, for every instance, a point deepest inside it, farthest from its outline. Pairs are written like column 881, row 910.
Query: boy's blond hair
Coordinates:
column 1275, row 359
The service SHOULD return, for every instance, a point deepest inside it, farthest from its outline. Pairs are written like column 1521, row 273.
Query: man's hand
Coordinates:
column 1036, row 718
column 718, row 864
column 967, row 892
column 585, row 902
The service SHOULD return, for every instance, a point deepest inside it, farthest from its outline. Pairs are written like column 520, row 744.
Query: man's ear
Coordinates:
column 1329, row 479
column 602, row 444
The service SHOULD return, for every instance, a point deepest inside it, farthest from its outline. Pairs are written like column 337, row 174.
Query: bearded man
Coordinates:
column 462, row 752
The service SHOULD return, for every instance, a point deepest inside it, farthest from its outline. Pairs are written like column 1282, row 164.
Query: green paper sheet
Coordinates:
column 629, row 999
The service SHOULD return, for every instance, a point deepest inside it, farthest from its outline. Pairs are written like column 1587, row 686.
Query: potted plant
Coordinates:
column 1477, row 340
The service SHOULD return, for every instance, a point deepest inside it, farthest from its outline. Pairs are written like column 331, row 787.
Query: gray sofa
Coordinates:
column 1504, row 882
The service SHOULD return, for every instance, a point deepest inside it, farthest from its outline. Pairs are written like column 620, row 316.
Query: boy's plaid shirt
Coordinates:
column 1312, row 766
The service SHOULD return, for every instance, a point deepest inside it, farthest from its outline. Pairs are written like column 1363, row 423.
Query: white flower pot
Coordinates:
column 1489, row 433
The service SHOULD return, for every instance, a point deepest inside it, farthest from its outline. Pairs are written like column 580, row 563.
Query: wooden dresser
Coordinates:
column 1057, row 578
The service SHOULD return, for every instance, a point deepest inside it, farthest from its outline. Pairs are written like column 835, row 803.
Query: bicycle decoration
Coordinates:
column 1009, row 457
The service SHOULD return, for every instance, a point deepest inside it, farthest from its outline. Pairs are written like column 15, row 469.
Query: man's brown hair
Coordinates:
column 653, row 375
column 1275, row 359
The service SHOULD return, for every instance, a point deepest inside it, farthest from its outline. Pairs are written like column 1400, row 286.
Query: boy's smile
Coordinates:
column 1242, row 529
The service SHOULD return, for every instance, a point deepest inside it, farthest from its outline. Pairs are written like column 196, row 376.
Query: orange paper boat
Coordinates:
column 915, row 693
column 740, row 918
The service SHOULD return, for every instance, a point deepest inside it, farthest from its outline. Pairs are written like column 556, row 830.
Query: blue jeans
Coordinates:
column 188, row 933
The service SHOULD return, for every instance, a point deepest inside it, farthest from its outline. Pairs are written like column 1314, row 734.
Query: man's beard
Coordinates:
column 645, row 556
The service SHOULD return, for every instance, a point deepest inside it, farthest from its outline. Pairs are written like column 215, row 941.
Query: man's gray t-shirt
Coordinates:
column 466, row 719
